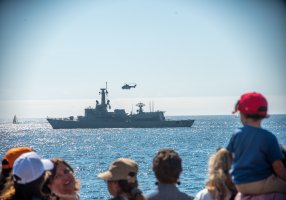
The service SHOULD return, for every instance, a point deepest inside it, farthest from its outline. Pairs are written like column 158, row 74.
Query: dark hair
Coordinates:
column 5, row 173
column 51, row 174
column 167, row 166
column 29, row 190
column 131, row 189
column 254, row 116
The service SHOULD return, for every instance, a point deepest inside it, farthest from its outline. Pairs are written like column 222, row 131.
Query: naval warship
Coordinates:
column 100, row 117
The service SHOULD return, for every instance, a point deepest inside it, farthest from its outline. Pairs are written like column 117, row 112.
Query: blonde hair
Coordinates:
column 219, row 183
column 9, row 190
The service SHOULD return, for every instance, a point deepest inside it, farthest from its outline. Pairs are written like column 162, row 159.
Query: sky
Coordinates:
column 186, row 57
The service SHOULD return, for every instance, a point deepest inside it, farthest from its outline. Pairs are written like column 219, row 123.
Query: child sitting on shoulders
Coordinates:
column 256, row 152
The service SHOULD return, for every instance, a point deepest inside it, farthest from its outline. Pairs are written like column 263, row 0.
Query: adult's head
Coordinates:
column 10, row 156
column 252, row 105
column 60, row 180
column 219, row 181
column 121, row 178
column 167, row 166
column 28, row 174
column 29, row 167
column 121, row 169
column 220, row 161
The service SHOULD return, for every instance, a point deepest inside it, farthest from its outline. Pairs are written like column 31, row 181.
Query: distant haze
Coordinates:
column 172, row 106
column 187, row 57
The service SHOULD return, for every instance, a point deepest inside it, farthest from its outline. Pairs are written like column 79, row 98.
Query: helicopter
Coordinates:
column 128, row 86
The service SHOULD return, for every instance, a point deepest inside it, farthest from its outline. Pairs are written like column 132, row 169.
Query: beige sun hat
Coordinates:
column 120, row 169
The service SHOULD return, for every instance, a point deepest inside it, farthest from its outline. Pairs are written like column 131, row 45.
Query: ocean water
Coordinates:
column 90, row 151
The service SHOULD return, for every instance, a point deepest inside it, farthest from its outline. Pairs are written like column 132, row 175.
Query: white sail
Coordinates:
column 15, row 120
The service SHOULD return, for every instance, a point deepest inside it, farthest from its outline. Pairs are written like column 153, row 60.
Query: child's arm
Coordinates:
column 279, row 169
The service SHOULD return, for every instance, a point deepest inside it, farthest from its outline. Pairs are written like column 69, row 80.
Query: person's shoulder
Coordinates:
column 255, row 130
column 203, row 195
column 183, row 196
column 238, row 131
column 152, row 195
column 187, row 197
column 177, row 195
column 267, row 134
column 117, row 198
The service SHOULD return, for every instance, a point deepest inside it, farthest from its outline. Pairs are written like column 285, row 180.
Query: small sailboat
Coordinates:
column 15, row 120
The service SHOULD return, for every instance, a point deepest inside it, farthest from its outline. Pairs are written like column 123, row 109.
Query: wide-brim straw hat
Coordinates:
column 120, row 169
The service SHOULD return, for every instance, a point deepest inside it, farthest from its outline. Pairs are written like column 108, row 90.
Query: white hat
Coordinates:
column 29, row 167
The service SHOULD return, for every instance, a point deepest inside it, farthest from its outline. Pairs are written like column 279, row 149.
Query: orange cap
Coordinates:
column 12, row 154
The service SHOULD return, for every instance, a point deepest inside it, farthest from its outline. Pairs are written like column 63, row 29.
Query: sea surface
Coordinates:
column 90, row 151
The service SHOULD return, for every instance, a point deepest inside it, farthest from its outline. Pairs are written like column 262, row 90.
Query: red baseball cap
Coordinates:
column 252, row 104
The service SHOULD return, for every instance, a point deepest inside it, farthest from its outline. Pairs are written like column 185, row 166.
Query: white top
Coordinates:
column 203, row 195
column 206, row 195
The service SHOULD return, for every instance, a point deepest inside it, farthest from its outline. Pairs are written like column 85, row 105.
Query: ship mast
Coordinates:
column 104, row 93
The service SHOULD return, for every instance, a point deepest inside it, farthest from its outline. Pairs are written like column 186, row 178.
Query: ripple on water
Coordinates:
column 90, row 151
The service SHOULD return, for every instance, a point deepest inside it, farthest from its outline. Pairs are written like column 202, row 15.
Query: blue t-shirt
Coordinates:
column 254, row 150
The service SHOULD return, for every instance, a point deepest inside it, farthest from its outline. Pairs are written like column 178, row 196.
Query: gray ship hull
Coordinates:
column 100, row 117
column 73, row 124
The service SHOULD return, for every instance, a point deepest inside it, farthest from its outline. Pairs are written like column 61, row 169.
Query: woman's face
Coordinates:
column 63, row 181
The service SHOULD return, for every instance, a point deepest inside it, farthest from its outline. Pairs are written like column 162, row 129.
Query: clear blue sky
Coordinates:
column 188, row 57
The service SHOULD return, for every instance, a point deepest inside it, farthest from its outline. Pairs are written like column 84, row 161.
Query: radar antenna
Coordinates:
column 140, row 105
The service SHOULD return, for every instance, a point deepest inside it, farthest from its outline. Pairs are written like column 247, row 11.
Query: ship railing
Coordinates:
column 71, row 118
